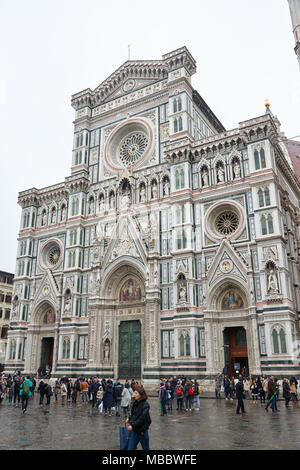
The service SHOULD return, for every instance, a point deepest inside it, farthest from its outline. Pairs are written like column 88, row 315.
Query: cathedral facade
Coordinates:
column 171, row 249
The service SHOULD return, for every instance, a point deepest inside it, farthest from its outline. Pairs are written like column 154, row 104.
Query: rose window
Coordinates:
column 132, row 148
column 227, row 222
column 53, row 255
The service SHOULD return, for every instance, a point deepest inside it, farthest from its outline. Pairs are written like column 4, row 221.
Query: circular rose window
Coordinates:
column 50, row 254
column 132, row 148
column 227, row 223
column 54, row 255
column 129, row 144
column 224, row 220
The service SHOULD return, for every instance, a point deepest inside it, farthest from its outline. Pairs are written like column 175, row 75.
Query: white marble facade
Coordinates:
column 167, row 222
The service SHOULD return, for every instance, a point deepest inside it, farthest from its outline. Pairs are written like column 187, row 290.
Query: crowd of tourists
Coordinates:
column 265, row 390
column 128, row 400
column 184, row 391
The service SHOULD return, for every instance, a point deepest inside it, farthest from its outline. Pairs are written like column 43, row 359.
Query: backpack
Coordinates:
column 191, row 391
column 179, row 392
column 26, row 388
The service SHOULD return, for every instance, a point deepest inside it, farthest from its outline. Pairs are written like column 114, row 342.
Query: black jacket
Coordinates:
column 118, row 393
column 239, row 389
column 140, row 418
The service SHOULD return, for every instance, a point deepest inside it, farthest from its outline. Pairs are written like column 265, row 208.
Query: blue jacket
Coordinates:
column 108, row 398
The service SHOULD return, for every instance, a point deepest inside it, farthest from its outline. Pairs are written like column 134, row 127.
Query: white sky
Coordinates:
column 49, row 50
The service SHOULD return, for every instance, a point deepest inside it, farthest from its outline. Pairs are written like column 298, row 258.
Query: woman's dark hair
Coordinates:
column 142, row 393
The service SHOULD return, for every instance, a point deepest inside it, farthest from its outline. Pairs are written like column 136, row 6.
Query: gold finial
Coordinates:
column 267, row 104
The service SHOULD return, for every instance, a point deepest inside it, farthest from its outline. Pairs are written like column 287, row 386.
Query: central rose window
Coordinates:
column 224, row 219
column 129, row 144
column 132, row 148
column 54, row 255
column 227, row 223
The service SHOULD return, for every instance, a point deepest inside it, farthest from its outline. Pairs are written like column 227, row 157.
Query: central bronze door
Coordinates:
column 130, row 350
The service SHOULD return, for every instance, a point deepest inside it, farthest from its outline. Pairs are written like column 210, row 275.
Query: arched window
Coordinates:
column 267, row 197
column 177, row 180
column 182, row 178
column 183, row 239
column 261, row 198
column 187, row 345
column 175, row 124
column 175, row 105
column 262, row 158
column 275, row 342
column 256, row 159
column 270, row 224
column 181, row 343
column 66, row 348
column 279, row 340
column 282, row 341
column 263, row 225
column 180, row 124
column 179, row 103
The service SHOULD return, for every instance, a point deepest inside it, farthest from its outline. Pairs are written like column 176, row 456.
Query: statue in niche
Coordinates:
column 143, row 194
column 106, row 351
column 63, row 213
column 166, row 187
column 220, row 174
column 68, row 303
column 272, row 282
column 53, row 216
column 14, row 307
column 182, row 293
column 112, row 201
column 126, row 198
column 101, row 204
column 236, row 170
column 154, row 190
column 44, row 218
column 204, row 177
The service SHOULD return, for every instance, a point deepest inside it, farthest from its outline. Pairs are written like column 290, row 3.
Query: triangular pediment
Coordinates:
column 131, row 76
column 227, row 264
column 125, row 241
column 47, row 291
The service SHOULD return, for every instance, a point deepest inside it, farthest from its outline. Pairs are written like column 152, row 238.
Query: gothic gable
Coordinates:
column 47, row 291
column 227, row 264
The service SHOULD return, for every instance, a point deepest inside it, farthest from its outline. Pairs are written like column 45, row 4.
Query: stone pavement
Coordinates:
column 214, row 427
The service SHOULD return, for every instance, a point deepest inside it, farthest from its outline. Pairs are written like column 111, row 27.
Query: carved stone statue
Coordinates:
column 68, row 304
column 111, row 201
column 204, row 178
column 44, row 218
column 126, row 198
column 272, row 282
column 166, row 188
column 237, row 170
column 182, row 293
column 106, row 351
column 101, row 205
column 63, row 213
column 154, row 191
column 143, row 194
column 220, row 174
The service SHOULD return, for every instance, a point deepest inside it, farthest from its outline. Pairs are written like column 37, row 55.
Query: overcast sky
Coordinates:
column 244, row 51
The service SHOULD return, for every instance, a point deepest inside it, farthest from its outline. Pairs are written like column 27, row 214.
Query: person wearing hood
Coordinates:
column 118, row 389
column 108, row 399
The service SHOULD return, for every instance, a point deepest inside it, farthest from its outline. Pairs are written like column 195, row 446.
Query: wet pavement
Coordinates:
column 215, row 426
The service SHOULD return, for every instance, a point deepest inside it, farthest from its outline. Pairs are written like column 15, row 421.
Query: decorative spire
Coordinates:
column 267, row 105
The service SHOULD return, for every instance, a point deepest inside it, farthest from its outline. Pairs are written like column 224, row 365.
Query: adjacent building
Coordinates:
column 295, row 16
column 6, row 287
column 172, row 247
